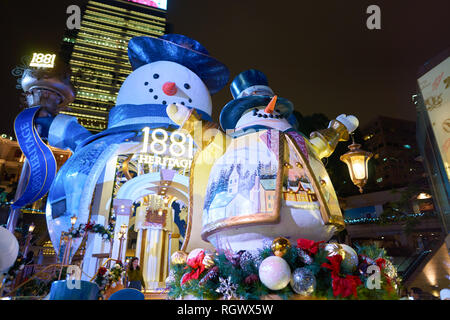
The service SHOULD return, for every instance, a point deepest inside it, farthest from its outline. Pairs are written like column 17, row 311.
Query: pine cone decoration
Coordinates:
column 251, row 279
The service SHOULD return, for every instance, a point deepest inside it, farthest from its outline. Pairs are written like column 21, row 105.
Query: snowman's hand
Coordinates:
column 178, row 113
column 350, row 122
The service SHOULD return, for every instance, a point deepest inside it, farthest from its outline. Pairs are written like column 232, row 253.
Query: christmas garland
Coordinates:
column 13, row 272
column 83, row 229
column 310, row 269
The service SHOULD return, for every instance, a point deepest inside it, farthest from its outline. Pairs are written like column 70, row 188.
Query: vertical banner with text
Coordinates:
column 41, row 161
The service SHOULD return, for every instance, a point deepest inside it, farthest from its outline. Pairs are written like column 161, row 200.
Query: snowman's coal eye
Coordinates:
column 187, row 86
column 182, row 102
column 155, row 76
column 190, row 100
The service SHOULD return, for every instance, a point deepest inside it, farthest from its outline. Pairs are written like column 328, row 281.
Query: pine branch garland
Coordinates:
column 244, row 274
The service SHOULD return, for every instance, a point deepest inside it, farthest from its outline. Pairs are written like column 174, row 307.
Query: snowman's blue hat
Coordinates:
column 183, row 50
column 251, row 89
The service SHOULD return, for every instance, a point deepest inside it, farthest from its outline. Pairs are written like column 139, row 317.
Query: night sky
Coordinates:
column 319, row 55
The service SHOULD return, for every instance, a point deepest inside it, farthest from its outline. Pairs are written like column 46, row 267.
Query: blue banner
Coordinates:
column 41, row 162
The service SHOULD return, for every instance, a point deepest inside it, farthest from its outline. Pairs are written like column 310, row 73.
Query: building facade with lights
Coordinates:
column 97, row 53
column 392, row 142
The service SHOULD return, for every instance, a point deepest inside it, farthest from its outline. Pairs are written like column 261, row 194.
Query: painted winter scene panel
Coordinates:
column 305, row 187
column 243, row 181
column 298, row 190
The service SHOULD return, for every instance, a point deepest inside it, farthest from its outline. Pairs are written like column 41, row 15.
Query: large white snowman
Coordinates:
column 269, row 180
column 170, row 69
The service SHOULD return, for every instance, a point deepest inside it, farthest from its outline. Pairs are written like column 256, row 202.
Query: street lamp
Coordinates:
column 68, row 237
column 73, row 220
column 29, row 236
column 122, row 233
column 31, row 227
column 356, row 160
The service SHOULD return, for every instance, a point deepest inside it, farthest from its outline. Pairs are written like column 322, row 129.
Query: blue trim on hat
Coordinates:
column 234, row 109
column 246, row 79
column 183, row 50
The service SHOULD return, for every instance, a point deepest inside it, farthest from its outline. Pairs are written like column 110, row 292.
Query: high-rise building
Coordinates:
column 97, row 53
column 393, row 143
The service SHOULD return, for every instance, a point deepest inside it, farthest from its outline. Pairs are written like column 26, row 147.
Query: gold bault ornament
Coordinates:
column 178, row 257
column 280, row 246
column 208, row 261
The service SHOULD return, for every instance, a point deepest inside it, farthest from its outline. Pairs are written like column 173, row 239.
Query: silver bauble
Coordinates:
column 303, row 281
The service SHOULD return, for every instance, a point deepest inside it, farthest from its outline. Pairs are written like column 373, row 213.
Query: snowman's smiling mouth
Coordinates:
column 265, row 115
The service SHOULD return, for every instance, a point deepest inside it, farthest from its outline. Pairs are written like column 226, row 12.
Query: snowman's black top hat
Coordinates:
column 250, row 89
column 183, row 50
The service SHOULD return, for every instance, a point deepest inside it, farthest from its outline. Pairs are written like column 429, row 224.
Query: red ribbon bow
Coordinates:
column 197, row 264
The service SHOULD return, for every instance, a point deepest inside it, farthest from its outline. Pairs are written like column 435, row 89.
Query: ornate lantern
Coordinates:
column 356, row 160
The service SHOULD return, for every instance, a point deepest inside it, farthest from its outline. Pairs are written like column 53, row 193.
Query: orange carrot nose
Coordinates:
column 271, row 106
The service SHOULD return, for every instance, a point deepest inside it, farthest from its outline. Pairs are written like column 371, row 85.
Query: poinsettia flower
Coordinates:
column 310, row 246
column 345, row 286
column 381, row 263
column 334, row 265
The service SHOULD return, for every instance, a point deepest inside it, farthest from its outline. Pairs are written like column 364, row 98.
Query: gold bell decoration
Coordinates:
column 178, row 257
column 208, row 260
column 280, row 246
column 349, row 256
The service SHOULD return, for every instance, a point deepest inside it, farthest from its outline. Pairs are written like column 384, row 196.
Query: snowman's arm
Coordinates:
column 325, row 141
column 66, row 133
column 204, row 133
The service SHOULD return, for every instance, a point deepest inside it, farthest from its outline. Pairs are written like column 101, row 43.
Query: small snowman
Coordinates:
column 269, row 181
column 166, row 70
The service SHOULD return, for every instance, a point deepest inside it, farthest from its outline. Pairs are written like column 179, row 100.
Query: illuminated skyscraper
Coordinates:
column 97, row 53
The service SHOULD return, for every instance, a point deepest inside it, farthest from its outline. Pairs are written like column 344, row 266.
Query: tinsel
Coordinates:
column 246, row 262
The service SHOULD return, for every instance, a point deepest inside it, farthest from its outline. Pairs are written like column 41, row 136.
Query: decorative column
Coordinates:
column 100, row 211
column 123, row 210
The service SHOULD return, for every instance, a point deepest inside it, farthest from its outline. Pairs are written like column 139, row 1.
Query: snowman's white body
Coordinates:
column 235, row 220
